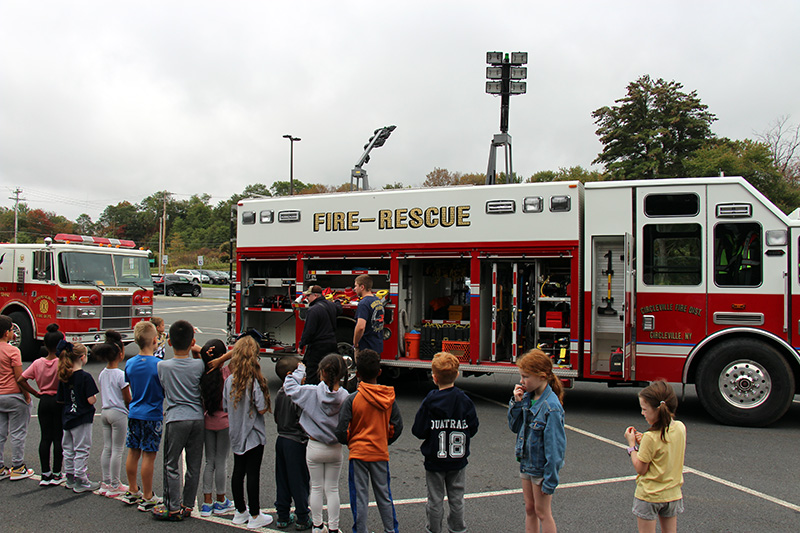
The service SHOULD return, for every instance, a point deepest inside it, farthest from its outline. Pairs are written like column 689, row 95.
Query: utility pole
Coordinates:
column 16, row 199
column 162, row 237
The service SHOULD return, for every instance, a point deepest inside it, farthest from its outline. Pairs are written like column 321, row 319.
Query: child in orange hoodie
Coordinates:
column 368, row 422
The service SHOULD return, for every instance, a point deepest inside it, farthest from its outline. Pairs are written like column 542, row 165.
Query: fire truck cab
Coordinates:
column 689, row 280
column 85, row 284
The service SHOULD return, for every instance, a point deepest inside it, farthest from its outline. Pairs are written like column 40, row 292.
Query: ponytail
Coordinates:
column 536, row 362
column 333, row 366
column 660, row 396
column 68, row 354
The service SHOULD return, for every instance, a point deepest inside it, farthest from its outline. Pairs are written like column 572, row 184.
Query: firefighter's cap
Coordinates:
column 314, row 289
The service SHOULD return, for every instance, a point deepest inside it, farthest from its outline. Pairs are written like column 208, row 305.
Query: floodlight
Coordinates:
column 518, row 87
column 494, row 87
column 518, row 73
column 494, row 58
column 519, row 58
column 494, row 73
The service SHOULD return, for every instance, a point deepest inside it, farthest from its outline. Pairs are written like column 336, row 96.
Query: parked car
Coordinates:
column 175, row 285
column 224, row 275
column 214, row 276
column 194, row 275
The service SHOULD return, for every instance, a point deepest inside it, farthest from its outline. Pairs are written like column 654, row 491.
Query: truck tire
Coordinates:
column 25, row 340
column 345, row 349
column 745, row 382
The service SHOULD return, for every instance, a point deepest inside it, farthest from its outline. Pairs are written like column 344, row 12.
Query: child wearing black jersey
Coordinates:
column 446, row 421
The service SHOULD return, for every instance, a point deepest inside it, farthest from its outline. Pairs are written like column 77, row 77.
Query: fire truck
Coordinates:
column 84, row 284
column 690, row 280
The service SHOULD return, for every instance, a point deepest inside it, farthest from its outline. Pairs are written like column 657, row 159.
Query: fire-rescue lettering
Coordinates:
column 402, row 218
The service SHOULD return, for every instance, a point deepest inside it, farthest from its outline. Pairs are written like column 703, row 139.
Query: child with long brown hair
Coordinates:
column 536, row 415
column 77, row 391
column 246, row 399
column 658, row 460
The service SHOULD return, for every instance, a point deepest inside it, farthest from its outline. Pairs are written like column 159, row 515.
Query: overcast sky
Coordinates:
column 105, row 101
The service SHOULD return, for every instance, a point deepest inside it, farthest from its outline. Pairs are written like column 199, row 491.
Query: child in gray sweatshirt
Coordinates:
column 321, row 404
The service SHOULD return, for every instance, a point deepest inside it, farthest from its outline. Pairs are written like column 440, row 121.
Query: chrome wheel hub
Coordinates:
column 744, row 384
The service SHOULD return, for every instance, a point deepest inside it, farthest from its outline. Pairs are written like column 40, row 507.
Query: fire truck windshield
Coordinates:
column 103, row 270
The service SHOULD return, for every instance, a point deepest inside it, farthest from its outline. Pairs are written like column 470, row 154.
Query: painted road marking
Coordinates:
column 686, row 469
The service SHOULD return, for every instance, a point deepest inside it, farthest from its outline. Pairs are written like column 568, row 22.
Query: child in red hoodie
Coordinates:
column 368, row 422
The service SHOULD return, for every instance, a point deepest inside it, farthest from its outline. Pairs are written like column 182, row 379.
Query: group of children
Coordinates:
column 199, row 403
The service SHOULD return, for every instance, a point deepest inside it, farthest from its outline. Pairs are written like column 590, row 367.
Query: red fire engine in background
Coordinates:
column 85, row 284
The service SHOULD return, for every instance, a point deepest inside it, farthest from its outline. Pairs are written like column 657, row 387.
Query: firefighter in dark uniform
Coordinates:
column 319, row 333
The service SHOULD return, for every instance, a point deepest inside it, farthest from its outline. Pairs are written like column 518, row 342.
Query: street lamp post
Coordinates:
column 291, row 162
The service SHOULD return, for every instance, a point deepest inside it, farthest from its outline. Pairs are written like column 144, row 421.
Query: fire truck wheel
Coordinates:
column 745, row 382
column 346, row 350
column 24, row 336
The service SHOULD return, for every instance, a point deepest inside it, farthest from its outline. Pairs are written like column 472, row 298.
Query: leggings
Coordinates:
column 50, row 426
column 247, row 464
column 218, row 444
column 324, row 465
column 115, row 426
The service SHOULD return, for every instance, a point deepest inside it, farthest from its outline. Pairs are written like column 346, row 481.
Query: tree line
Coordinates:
column 657, row 130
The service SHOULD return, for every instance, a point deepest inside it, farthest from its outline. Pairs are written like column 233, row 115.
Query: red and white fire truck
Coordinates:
column 690, row 280
column 85, row 284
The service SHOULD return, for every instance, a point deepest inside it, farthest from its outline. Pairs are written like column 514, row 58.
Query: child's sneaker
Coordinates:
column 4, row 473
column 103, row 489
column 46, row 480
column 303, row 525
column 132, row 498
column 283, row 523
column 147, row 505
column 84, row 485
column 21, row 472
column 206, row 509
column 223, row 507
column 70, row 483
column 240, row 518
column 322, row 529
column 262, row 520
column 114, row 492
column 58, row 478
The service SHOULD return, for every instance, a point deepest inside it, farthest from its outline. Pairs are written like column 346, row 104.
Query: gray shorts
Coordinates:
column 651, row 511
column 532, row 479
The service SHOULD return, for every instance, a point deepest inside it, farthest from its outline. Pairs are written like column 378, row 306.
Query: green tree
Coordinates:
column 440, row 177
column 282, row 188
column 577, row 173
column 749, row 159
column 652, row 130
column 84, row 225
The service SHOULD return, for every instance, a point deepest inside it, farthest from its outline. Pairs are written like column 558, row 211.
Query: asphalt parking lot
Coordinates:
column 736, row 479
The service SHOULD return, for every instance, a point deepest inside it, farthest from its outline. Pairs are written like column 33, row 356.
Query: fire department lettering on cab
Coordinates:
column 689, row 280
column 84, row 284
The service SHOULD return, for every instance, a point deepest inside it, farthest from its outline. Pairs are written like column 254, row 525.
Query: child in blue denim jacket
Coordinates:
column 535, row 414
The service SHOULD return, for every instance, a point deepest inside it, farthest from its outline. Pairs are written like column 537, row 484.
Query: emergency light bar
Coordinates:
column 68, row 238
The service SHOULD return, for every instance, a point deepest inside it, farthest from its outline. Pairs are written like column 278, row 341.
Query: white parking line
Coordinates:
column 686, row 469
column 209, row 307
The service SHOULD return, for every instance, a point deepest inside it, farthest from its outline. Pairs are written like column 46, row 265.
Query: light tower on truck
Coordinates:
column 376, row 141
column 504, row 75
